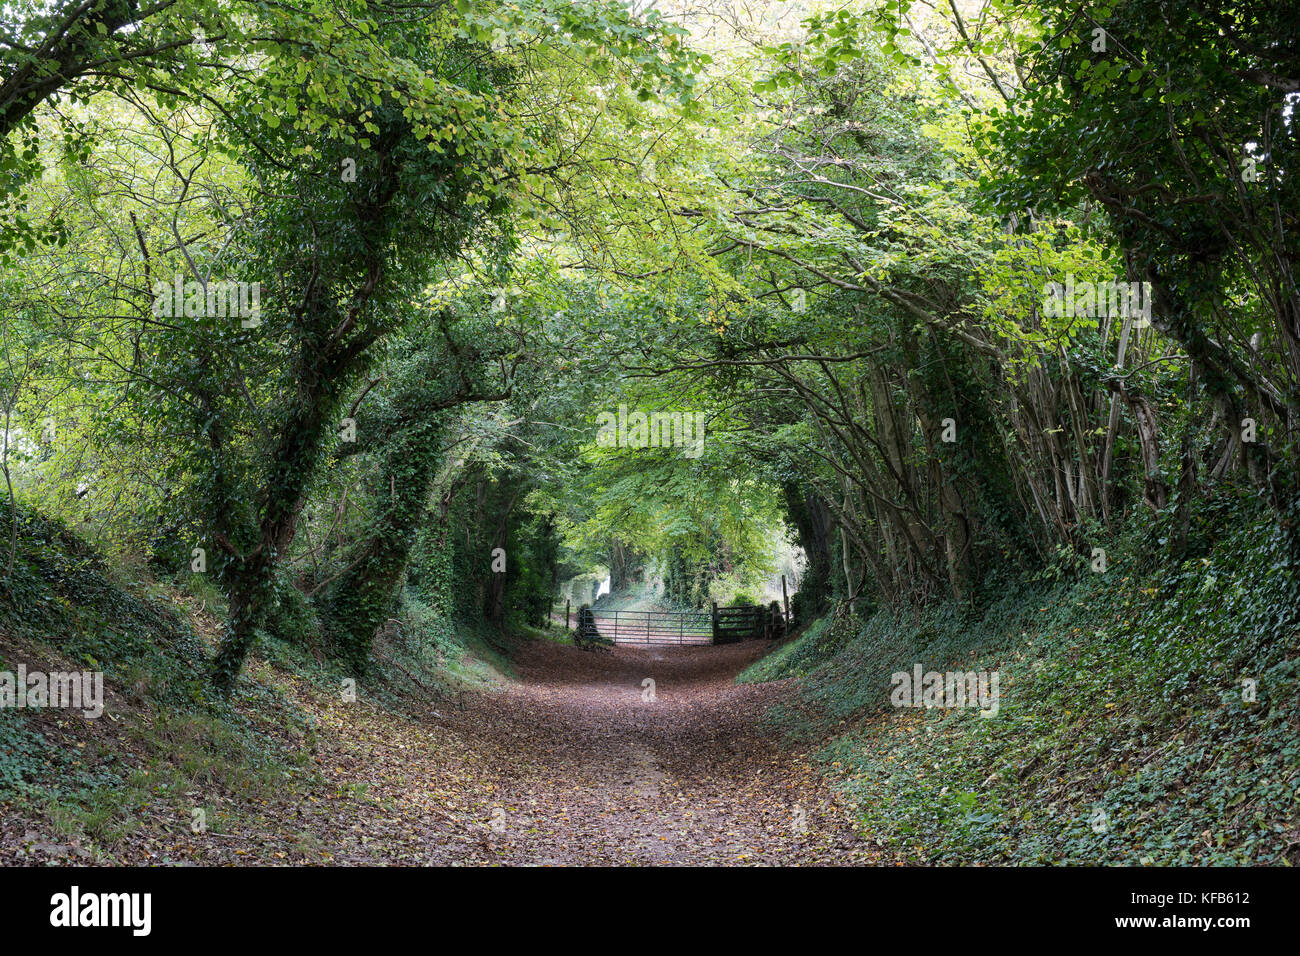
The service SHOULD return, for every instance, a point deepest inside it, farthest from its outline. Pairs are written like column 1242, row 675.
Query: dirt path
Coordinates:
column 603, row 767
column 575, row 763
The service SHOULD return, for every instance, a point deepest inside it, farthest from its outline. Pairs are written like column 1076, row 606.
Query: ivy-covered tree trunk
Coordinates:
column 249, row 570
column 494, row 608
column 337, row 255
column 358, row 602
column 406, row 436
column 813, row 524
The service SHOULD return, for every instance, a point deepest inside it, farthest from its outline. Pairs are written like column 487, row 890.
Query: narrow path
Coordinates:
column 601, row 767
column 576, row 763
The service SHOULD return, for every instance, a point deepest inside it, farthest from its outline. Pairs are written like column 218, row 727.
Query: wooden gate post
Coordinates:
column 566, row 615
column 785, row 597
column 715, row 622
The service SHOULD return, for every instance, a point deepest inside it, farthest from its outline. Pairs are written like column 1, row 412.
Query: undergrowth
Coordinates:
column 163, row 740
column 1125, row 732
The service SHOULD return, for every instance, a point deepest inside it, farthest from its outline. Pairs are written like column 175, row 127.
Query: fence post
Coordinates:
column 715, row 622
column 785, row 597
column 566, row 615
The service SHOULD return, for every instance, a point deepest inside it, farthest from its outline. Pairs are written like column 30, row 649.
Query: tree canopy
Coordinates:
column 331, row 302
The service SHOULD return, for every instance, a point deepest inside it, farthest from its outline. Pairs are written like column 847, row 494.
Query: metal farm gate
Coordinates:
column 655, row 627
column 721, row 625
column 718, row 625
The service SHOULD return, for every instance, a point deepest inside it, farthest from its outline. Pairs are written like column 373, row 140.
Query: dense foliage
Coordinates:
column 546, row 292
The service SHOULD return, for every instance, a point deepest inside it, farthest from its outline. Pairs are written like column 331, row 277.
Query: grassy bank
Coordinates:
column 126, row 787
column 1125, row 733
